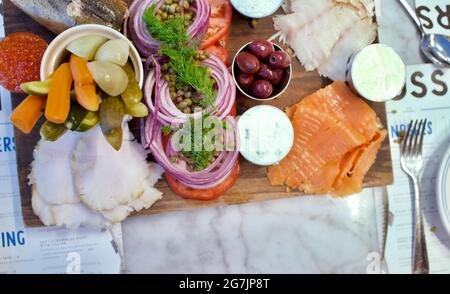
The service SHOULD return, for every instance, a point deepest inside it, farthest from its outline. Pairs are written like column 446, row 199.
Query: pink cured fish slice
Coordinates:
column 336, row 139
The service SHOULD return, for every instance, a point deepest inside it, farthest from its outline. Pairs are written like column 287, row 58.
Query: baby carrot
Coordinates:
column 80, row 71
column 87, row 96
column 58, row 101
column 26, row 114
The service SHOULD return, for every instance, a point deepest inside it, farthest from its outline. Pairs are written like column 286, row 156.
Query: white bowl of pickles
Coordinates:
column 90, row 74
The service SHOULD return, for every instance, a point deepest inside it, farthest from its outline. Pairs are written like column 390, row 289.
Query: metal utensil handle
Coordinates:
column 420, row 260
column 412, row 14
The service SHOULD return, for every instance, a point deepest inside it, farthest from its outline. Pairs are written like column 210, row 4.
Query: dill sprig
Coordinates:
column 180, row 48
column 197, row 156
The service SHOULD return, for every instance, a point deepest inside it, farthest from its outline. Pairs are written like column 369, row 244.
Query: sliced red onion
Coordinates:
column 168, row 112
column 137, row 28
column 210, row 177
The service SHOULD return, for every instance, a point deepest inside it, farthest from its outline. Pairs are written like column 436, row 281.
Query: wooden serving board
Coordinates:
column 252, row 184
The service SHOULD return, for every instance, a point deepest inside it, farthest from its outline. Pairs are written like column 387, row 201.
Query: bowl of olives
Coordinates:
column 262, row 70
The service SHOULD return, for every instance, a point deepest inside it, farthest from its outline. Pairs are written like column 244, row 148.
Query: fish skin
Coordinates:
column 59, row 15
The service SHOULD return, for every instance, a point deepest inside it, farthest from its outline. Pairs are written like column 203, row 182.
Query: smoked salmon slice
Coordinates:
column 336, row 139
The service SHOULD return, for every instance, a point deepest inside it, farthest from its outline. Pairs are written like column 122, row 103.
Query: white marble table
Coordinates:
column 302, row 235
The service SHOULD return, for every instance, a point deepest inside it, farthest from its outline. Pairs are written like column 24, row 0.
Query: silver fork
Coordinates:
column 412, row 164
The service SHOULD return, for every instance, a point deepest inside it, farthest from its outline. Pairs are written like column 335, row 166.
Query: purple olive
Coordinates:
column 277, row 76
column 261, row 89
column 279, row 59
column 265, row 73
column 244, row 80
column 261, row 48
column 247, row 63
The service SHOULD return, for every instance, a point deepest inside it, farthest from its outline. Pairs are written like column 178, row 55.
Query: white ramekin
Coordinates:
column 56, row 52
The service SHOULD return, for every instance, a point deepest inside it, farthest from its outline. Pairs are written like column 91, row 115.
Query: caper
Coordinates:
column 179, row 99
column 187, row 110
column 180, row 93
column 185, row 4
column 168, row 1
column 178, row 9
column 188, row 94
column 171, row 84
column 167, row 78
column 164, row 15
column 170, row 16
column 182, row 105
column 188, row 101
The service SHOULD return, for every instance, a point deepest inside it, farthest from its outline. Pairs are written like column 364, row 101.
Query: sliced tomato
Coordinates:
column 203, row 194
column 221, row 9
column 206, row 194
column 219, row 22
column 219, row 51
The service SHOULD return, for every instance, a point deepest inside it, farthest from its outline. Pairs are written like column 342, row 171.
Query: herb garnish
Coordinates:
column 180, row 48
column 197, row 156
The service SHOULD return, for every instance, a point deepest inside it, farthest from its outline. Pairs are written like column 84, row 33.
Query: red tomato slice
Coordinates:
column 204, row 194
column 219, row 51
column 219, row 22
column 207, row 194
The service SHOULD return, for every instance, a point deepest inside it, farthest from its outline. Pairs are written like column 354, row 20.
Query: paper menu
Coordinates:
column 433, row 104
column 427, row 95
column 44, row 250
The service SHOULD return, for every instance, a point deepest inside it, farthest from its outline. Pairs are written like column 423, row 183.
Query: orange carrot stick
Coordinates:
column 58, row 101
column 80, row 71
column 26, row 114
column 87, row 96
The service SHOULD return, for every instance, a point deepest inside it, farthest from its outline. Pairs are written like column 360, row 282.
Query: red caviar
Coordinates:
column 20, row 59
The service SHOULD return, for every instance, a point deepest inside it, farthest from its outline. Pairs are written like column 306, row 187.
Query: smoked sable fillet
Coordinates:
column 336, row 139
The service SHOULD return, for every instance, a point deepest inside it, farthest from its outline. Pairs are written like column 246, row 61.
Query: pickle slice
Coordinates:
column 112, row 111
column 76, row 116
column 51, row 132
column 36, row 88
column 137, row 110
column 132, row 93
column 89, row 121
